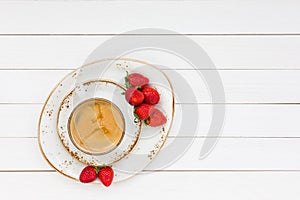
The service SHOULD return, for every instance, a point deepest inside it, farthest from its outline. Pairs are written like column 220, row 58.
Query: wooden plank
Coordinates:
column 235, row 186
column 229, row 154
column 218, row 17
column 227, row 52
column 233, row 154
column 242, row 120
column 251, row 86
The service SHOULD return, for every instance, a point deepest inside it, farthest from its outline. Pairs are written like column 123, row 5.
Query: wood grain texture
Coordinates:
column 227, row 52
column 229, row 154
column 212, row 186
column 106, row 17
column 250, row 86
column 242, row 120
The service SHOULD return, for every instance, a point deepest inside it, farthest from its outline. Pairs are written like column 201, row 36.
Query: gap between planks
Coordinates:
column 198, row 103
column 116, row 34
column 167, row 171
column 203, row 137
column 174, row 69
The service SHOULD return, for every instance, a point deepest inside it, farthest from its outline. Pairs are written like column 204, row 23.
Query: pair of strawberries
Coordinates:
column 90, row 173
column 143, row 98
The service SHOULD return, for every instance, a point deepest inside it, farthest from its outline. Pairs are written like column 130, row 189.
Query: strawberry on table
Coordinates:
column 156, row 118
column 137, row 80
column 143, row 111
column 151, row 96
column 134, row 97
column 106, row 175
column 88, row 174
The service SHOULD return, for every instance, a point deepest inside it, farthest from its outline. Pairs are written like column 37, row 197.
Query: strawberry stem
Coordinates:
column 97, row 168
column 135, row 115
column 127, row 84
column 146, row 121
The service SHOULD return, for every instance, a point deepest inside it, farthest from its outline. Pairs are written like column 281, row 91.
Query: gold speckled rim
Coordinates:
column 69, row 74
column 83, row 161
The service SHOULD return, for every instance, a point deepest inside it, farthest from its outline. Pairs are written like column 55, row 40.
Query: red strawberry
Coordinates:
column 106, row 175
column 143, row 111
column 151, row 95
column 88, row 174
column 136, row 79
column 157, row 118
column 134, row 97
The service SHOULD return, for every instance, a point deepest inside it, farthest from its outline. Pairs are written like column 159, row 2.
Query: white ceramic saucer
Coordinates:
column 150, row 140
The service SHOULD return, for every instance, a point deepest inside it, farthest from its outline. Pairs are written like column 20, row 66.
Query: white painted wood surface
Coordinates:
column 242, row 120
column 255, row 47
column 187, row 17
column 240, row 86
column 227, row 51
column 175, row 185
column 229, row 154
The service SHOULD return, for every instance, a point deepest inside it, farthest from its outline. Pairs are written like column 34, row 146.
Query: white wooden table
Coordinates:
column 255, row 46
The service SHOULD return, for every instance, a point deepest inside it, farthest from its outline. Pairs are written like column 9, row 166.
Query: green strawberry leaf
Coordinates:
column 146, row 121
column 127, row 84
column 97, row 168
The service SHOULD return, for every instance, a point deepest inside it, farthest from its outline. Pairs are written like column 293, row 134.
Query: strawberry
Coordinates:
column 137, row 80
column 151, row 95
column 143, row 111
column 134, row 97
column 106, row 175
column 88, row 174
column 157, row 118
